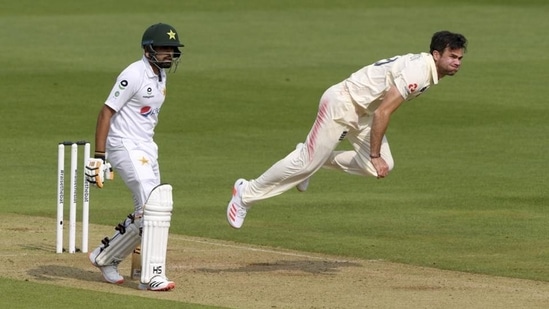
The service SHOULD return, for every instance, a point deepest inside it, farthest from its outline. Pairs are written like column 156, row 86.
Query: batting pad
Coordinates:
column 156, row 224
column 121, row 244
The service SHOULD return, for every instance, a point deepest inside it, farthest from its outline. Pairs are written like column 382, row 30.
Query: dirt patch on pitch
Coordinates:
column 212, row 272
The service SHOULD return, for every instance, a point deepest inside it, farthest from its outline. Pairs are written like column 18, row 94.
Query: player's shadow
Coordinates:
column 306, row 266
column 57, row 272
column 53, row 273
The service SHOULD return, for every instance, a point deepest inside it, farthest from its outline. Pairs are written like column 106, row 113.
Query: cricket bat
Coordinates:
column 136, row 264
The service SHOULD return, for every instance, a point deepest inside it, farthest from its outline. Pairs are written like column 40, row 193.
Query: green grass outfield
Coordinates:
column 470, row 187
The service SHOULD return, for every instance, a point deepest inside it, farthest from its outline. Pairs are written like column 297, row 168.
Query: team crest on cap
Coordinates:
column 171, row 34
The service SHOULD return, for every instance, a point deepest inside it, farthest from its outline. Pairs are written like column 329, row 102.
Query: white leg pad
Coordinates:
column 157, row 215
column 118, row 247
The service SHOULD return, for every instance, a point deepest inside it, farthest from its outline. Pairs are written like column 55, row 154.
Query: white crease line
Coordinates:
column 241, row 247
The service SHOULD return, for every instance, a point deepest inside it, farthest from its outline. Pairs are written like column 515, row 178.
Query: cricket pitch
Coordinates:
column 233, row 275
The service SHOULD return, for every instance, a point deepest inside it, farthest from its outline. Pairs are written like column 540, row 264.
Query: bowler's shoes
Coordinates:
column 236, row 211
column 109, row 272
column 157, row 283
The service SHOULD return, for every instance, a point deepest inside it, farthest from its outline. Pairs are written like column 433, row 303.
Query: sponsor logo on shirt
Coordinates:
column 146, row 111
column 149, row 94
column 412, row 87
column 123, row 84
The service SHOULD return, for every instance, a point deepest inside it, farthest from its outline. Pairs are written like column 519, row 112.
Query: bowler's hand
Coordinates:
column 381, row 167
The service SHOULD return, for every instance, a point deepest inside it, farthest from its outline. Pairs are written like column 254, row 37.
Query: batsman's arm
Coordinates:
column 102, row 129
column 382, row 116
column 97, row 169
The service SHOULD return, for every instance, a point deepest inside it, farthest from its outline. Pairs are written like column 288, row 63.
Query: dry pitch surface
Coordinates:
column 232, row 275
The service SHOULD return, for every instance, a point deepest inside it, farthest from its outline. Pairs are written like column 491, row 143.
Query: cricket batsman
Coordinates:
column 124, row 136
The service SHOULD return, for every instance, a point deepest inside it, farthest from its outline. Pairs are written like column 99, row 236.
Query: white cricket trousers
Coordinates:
column 337, row 119
column 137, row 164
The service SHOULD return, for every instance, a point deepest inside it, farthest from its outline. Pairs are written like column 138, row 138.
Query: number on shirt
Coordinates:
column 385, row 61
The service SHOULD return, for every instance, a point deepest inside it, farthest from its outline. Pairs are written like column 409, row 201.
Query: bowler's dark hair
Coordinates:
column 443, row 39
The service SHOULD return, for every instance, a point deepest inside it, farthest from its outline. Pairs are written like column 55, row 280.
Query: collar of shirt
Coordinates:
column 432, row 67
column 149, row 70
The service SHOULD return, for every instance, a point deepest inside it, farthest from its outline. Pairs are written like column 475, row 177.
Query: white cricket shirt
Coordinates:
column 137, row 97
column 412, row 74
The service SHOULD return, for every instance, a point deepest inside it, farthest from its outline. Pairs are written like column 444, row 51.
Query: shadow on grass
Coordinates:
column 54, row 273
column 60, row 272
column 306, row 266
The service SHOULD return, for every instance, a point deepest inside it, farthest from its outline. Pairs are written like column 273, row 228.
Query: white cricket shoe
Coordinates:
column 302, row 186
column 109, row 272
column 236, row 211
column 157, row 283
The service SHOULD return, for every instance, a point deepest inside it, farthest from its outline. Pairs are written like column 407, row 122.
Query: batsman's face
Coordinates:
column 164, row 56
column 449, row 62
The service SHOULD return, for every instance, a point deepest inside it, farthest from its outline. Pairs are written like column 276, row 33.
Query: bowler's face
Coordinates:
column 449, row 62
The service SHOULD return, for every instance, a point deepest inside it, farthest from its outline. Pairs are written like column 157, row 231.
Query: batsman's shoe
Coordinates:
column 302, row 186
column 157, row 283
column 109, row 272
column 236, row 210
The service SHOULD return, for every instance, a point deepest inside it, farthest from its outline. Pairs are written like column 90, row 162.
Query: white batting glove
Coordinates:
column 97, row 171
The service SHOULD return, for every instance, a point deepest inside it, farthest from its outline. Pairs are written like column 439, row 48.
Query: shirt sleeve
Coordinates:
column 412, row 77
column 124, row 89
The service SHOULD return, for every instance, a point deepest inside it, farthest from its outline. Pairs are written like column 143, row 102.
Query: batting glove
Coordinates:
column 97, row 170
